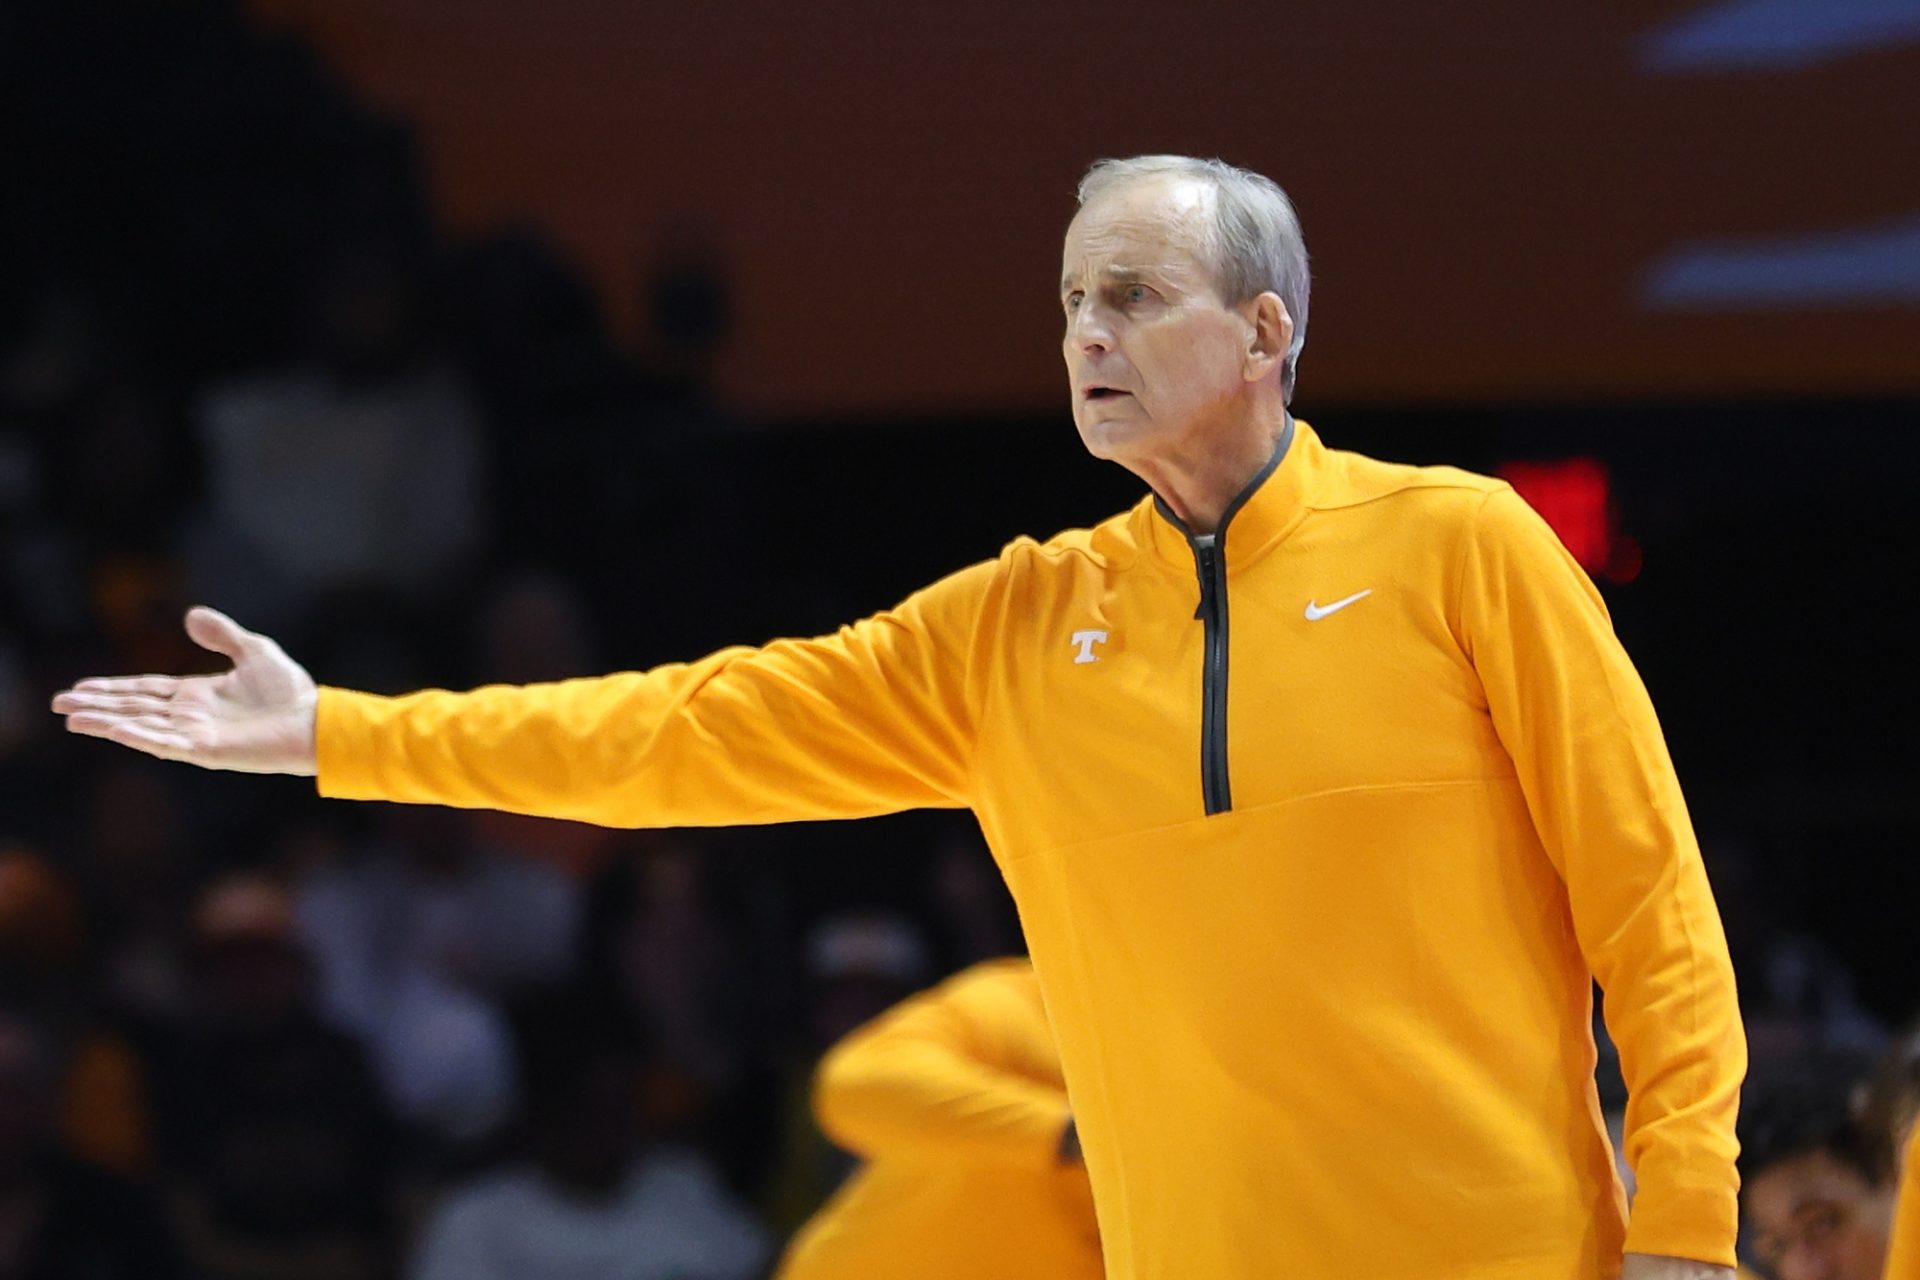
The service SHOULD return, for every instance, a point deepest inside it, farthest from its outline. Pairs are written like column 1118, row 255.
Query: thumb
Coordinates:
column 211, row 629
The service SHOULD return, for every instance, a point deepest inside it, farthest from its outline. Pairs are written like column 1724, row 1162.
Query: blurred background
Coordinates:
column 453, row 343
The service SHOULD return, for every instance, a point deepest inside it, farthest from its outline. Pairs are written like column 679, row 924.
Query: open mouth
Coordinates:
column 1104, row 393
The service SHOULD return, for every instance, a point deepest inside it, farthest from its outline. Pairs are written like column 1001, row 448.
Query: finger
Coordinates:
column 105, row 722
column 153, row 739
column 132, row 704
column 212, row 629
column 155, row 742
column 158, row 686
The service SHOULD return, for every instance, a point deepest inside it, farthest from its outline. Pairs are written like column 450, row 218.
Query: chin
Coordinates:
column 1113, row 439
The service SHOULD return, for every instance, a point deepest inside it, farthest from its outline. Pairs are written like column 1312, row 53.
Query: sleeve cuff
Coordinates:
column 1700, row 1223
column 344, row 767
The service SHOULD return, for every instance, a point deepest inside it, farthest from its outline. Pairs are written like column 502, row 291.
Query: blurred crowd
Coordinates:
column 246, row 1035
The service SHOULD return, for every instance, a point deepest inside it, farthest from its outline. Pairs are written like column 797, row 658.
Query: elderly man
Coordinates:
column 1323, row 786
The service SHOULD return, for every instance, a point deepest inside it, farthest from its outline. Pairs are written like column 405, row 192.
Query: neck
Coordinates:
column 1201, row 481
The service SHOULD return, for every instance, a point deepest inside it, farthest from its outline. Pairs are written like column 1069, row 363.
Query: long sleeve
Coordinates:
column 876, row 718
column 1903, row 1253
column 1577, row 721
column 933, row 1078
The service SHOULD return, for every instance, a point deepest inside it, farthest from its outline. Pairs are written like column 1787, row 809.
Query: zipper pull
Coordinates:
column 1204, row 553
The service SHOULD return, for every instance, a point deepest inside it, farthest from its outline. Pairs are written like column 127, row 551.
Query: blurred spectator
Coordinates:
column 536, row 626
column 138, row 874
column 358, row 466
column 954, row 1099
column 657, row 942
column 679, row 938
column 270, row 1121
column 970, row 903
column 60, row 1219
column 101, row 1095
column 1816, row 1190
column 47, row 356
column 1795, row 994
column 1891, row 1104
column 419, row 941
column 427, row 897
column 595, row 1199
column 126, row 473
column 1891, row 1115
column 689, row 310
column 858, row 965
column 40, row 927
column 566, row 409
column 19, row 716
column 52, row 345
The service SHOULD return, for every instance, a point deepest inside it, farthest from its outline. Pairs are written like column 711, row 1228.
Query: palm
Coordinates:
column 256, row 718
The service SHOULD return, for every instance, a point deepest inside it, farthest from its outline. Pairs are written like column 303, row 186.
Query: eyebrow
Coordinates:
column 1119, row 275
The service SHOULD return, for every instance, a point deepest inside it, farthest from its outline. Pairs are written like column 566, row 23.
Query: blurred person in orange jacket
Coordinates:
column 955, row 1101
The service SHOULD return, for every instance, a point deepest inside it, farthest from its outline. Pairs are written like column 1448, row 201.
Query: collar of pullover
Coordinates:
column 1263, row 513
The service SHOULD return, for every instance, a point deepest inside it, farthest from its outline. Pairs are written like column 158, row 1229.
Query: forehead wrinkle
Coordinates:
column 1131, row 253
column 1142, row 226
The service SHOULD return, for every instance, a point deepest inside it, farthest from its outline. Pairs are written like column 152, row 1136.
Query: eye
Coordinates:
column 1822, row 1224
column 1136, row 294
column 1072, row 301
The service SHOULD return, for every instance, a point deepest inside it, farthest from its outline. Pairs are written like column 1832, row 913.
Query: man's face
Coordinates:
column 1154, row 356
column 1817, row 1218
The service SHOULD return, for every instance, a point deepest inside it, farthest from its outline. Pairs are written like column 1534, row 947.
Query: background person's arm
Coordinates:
column 927, row 1080
column 1577, row 721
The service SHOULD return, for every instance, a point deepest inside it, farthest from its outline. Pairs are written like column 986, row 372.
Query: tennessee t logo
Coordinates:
column 1086, row 640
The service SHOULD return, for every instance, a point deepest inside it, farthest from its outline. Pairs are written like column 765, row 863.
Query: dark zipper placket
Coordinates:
column 1210, row 562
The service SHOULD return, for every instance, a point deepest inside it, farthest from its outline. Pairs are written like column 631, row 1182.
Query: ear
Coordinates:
column 1269, row 334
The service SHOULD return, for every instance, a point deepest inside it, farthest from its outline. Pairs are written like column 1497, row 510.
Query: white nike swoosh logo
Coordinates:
column 1315, row 612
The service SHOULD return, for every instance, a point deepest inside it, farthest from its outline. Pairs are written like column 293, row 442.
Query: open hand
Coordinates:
column 256, row 718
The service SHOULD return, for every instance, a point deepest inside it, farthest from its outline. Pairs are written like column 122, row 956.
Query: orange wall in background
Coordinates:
column 1485, row 187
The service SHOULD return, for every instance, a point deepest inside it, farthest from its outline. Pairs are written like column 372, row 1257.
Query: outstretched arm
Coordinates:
column 878, row 717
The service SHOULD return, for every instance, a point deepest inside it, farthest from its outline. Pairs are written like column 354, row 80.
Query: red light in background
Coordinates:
column 1575, row 497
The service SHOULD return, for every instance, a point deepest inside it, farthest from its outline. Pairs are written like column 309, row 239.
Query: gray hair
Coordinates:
column 1255, row 241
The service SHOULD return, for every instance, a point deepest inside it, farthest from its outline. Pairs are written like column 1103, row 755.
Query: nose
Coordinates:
column 1087, row 330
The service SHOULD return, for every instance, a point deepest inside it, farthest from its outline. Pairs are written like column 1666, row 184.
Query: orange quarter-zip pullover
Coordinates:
column 1320, row 831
